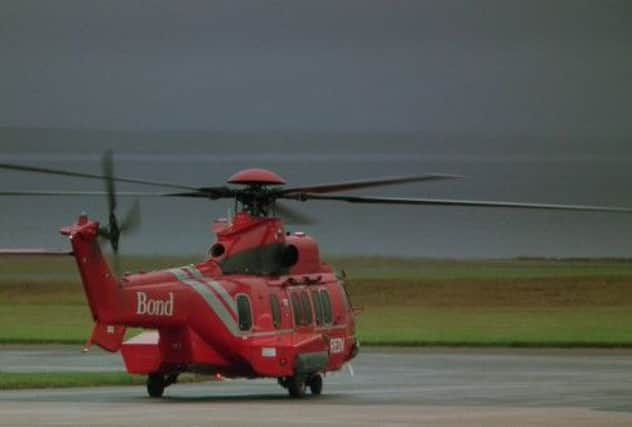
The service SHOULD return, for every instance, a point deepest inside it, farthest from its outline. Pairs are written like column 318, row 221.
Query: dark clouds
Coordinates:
column 524, row 66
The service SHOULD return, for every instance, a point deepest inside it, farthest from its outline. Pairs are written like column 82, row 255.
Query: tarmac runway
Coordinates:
column 445, row 387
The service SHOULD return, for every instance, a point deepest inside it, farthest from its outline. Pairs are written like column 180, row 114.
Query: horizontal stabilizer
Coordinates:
column 108, row 337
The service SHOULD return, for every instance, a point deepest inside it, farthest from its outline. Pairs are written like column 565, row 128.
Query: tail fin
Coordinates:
column 100, row 285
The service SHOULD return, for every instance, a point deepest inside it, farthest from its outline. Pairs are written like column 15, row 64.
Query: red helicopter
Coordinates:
column 263, row 304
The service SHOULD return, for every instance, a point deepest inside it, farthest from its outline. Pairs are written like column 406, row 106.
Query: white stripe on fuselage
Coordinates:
column 198, row 284
column 221, row 291
column 209, row 296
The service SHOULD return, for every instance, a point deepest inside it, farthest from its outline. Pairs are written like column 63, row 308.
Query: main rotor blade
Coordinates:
column 465, row 203
column 53, row 193
column 49, row 171
column 365, row 183
column 83, row 193
column 34, row 252
column 206, row 193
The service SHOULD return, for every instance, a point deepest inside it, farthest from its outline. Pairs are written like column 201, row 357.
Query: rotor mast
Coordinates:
column 256, row 199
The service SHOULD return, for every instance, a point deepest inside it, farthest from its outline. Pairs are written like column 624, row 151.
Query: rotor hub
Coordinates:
column 256, row 177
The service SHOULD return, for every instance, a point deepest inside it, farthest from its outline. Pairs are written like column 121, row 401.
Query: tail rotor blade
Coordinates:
column 116, row 263
column 132, row 219
column 114, row 232
column 107, row 166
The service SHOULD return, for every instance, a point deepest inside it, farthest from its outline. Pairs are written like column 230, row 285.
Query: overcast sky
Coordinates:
column 540, row 67
column 538, row 93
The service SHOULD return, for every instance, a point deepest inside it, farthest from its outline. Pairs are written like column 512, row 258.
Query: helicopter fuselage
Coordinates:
column 262, row 305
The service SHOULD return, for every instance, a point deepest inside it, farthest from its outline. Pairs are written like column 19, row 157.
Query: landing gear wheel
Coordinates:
column 316, row 384
column 296, row 387
column 155, row 385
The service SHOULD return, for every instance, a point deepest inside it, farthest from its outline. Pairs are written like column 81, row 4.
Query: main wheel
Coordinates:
column 316, row 384
column 296, row 387
column 155, row 385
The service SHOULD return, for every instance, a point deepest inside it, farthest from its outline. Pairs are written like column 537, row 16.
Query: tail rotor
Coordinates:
column 131, row 220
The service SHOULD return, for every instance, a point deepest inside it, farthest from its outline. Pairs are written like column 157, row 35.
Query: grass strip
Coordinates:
column 26, row 380
column 543, row 327
column 33, row 380
column 405, row 301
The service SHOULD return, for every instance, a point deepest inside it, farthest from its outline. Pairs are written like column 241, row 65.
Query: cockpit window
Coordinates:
column 269, row 260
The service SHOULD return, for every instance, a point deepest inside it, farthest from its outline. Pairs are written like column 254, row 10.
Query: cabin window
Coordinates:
column 276, row 311
column 298, row 312
column 327, row 315
column 244, row 312
column 318, row 307
column 307, row 308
